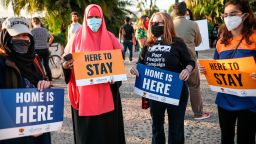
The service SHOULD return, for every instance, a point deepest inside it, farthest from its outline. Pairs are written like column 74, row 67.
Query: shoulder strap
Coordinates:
column 234, row 51
column 37, row 62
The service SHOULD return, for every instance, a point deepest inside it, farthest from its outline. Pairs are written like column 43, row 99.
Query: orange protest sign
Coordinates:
column 98, row 67
column 231, row 76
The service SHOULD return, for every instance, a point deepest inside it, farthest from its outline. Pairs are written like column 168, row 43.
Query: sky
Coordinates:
column 164, row 4
column 4, row 12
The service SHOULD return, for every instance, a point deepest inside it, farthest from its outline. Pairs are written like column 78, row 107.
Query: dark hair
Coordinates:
column 36, row 20
column 74, row 13
column 191, row 15
column 127, row 19
column 180, row 9
column 249, row 23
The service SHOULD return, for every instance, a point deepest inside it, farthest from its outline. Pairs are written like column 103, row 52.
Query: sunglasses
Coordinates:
column 156, row 23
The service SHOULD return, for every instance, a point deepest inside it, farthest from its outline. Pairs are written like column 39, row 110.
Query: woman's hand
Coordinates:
column 68, row 64
column 43, row 84
column 253, row 75
column 202, row 69
column 134, row 71
column 184, row 75
column 37, row 135
column 67, row 61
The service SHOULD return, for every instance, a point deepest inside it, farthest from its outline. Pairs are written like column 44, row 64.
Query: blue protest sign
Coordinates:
column 28, row 111
column 157, row 84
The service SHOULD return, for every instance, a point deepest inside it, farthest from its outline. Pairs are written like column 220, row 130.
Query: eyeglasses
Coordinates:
column 234, row 13
column 156, row 23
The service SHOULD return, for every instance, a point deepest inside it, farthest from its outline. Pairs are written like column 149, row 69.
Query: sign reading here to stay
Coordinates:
column 97, row 67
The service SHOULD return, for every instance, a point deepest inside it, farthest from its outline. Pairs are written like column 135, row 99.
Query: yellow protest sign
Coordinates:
column 98, row 67
column 231, row 76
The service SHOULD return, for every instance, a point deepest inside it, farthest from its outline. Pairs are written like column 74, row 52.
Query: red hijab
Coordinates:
column 94, row 99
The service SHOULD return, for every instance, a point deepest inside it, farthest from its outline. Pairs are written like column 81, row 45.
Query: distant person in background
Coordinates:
column 141, row 31
column 214, row 35
column 42, row 40
column 189, row 32
column 126, row 34
column 189, row 15
column 74, row 26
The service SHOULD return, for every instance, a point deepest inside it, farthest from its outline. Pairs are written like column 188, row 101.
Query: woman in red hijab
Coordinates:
column 96, row 109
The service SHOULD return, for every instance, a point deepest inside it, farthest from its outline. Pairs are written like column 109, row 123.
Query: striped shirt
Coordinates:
column 40, row 36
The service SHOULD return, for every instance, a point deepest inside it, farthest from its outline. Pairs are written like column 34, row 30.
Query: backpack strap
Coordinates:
column 38, row 64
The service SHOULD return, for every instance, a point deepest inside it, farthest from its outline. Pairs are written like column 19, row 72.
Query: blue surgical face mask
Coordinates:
column 94, row 23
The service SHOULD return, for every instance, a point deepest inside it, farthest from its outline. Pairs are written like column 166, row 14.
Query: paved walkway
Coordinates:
column 138, row 122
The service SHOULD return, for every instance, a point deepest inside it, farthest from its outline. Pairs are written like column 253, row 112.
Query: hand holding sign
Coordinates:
column 134, row 71
column 67, row 61
column 185, row 73
column 202, row 69
column 42, row 84
column 253, row 75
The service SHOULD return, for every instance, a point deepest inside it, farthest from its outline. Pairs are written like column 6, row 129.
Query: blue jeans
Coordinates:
column 175, row 120
column 127, row 44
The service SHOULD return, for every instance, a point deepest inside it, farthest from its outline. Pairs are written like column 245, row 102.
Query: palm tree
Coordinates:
column 58, row 11
column 147, row 9
column 209, row 9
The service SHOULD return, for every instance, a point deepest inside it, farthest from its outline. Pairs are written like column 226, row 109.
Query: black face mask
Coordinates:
column 157, row 31
column 20, row 46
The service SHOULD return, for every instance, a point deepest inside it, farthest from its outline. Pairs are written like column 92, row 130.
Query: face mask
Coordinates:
column 94, row 23
column 187, row 17
column 232, row 22
column 157, row 31
column 146, row 24
column 20, row 46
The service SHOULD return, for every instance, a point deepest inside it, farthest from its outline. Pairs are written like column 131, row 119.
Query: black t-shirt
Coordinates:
column 174, row 57
column 127, row 30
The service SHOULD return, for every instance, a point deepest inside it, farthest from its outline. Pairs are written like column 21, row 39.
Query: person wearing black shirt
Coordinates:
column 126, row 34
column 175, row 57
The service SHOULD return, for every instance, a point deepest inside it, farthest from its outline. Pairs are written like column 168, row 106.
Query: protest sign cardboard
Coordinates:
column 231, row 76
column 98, row 67
column 157, row 84
column 203, row 28
column 27, row 112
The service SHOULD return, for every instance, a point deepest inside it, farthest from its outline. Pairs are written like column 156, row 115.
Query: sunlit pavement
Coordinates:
column 138, row 122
